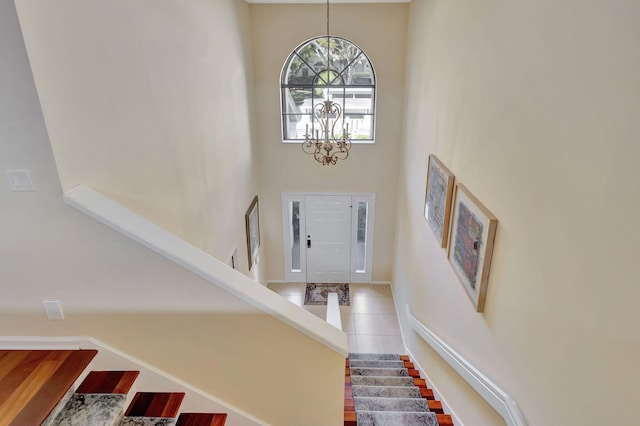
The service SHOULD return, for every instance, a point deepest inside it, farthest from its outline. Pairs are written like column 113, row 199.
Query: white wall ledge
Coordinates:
column 204, row 265
column 494, row 395
column 333, row 311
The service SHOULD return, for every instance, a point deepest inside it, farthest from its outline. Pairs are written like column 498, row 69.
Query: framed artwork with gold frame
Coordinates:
column 471, row 241
column 437, row 203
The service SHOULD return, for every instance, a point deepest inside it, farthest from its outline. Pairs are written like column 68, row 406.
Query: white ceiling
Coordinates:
column 324, row 1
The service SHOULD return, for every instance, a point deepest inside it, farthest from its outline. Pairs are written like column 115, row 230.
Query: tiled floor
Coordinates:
column 370, row 321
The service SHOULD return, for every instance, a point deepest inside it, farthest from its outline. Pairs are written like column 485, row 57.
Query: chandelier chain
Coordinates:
column 328, row 44
column 327, row 19
column 329, row 148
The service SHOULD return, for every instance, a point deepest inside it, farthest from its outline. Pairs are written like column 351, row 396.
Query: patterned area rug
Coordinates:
column 316, row 294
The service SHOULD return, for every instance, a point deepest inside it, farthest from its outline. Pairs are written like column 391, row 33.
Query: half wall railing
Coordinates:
column 492, row 393
column 201, row 263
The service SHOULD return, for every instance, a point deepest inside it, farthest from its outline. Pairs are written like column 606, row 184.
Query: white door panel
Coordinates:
column 328, row 242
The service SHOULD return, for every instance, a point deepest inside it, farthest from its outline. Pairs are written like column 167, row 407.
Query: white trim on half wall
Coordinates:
column 202, row 264
column 494, row 395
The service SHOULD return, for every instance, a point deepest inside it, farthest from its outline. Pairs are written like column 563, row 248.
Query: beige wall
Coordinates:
column 300, row 383
column 534, row 106
column 132, row 299
column 380, row 30
column 150, row 102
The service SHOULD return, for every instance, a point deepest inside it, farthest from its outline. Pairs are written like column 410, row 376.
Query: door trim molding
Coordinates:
column 301, row 276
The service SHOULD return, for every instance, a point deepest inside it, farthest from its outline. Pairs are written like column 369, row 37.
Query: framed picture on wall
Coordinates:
column 437, row 204
column 473, row 231
column 253, row 231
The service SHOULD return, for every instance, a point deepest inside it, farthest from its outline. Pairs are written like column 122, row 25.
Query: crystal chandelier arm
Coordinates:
column 327, row 149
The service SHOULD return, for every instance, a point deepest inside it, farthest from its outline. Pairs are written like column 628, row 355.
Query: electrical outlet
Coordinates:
column 20, row 180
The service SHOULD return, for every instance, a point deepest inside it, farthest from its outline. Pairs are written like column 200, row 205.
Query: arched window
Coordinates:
column 308, row 79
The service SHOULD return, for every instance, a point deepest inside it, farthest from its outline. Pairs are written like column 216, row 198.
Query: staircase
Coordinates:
column 387, row 390
column 36, row 388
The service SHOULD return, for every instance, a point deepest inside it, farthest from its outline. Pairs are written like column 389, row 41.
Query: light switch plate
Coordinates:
column 20, row 180
column 53, row 309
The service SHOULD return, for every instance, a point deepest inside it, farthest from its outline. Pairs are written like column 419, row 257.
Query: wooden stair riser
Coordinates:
column 202, row 419
column 350, row 419
column 113, row 382
column 435, row 406
column 155, row 404
column 444, row 420
column 35, row 382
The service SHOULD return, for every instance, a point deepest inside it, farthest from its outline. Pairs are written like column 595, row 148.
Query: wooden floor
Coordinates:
column 33, row 381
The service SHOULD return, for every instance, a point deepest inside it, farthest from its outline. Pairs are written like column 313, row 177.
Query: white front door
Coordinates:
column 328, row 238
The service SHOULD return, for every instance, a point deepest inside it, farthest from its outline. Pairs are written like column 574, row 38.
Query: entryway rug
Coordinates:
column 316, row 294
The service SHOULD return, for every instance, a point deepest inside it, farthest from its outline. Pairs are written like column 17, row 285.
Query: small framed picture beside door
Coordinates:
column 253, row 231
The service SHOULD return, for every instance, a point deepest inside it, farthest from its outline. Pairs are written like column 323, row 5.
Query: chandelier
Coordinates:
column 327, row 147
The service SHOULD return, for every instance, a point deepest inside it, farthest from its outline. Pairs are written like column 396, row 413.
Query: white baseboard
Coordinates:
column 40, row 343
column 437, row 395
column 445, row 406
column 277, row 282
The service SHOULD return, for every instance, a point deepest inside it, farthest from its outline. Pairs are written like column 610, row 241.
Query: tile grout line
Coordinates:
column 380, row 337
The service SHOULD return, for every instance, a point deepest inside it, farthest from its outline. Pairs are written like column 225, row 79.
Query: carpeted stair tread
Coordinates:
column 392, row 372
column 395, row 418
column 375, row 363
column 50, row 421
column 91, row 409
column 368, row 357
column 386, row 391
column 381, row 381
column 390, row 404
